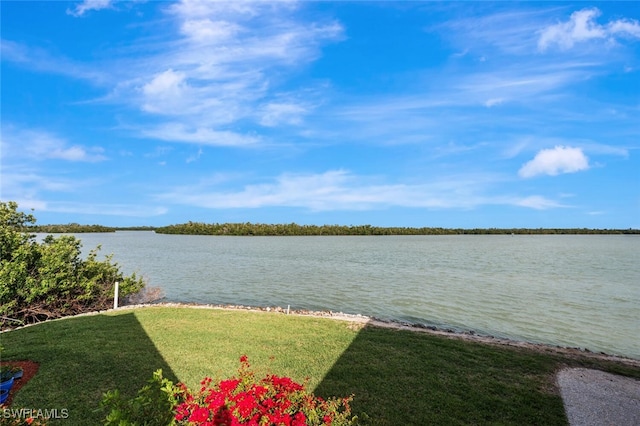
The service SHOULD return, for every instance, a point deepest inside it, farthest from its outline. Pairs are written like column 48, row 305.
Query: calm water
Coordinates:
column 580, row 290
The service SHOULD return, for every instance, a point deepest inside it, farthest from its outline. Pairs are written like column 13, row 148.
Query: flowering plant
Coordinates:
column 272, row 400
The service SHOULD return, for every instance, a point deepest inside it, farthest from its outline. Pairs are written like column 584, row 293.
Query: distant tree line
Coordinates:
column 291, row 229
column 76, row 228
column 70, row 228
column 263, row 229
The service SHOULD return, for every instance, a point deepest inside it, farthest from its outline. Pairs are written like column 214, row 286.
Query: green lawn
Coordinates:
column 398, row 377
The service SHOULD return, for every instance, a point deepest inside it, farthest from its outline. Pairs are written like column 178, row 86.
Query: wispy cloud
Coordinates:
column 514, row 84
column 582, row 27
column 493, row 102
column 42, row 145
column 33, row 187
column 218, row 64
column 520, row 81
column 337, row 190
column 177, row 132
column 278, row 112
column 219, row 68
column 26, row 184
column 40, row 60
column 123, row 210
column 194, row 157
column 83, row 7
column 26, row 156
column 555, row 161
column 435, row 113
column 512, row 32
column 516, row 91
column 538, row 202
column 166, row 93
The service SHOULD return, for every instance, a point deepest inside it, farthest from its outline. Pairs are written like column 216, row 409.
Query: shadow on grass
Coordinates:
column 409, row 378
column 117, row 354
column 397, row 377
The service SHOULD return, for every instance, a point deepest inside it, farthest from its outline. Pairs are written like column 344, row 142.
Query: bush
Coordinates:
column 242, row 400
column 272, row 400
column 152, row 406
column 39, row 281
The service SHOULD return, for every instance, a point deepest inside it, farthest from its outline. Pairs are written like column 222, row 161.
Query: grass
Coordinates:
column 398, row 377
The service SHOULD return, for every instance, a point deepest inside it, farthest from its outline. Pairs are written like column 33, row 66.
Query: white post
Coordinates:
column 288, row 306
column 115, row 296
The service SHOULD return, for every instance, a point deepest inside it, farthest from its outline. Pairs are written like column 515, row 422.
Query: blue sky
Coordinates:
column 465, row 114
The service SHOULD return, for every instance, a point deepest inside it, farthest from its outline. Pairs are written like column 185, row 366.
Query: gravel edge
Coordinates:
column 594, row 398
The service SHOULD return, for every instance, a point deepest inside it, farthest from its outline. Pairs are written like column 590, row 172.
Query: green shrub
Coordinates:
column 152, row 406
column 39, row 281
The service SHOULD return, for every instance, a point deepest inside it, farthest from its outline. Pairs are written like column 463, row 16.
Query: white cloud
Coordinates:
column 87, row 5
column 599, row 148
column 40, row 60
column 522, row 85
column 194, row 157
column 276, row 113
column 529, row 86
column 165, row 93
column 212, row 63
column 435, row 113
column 34, row 183
column 538, row 202
column 16, row 180
column 218, row 69
column 177, row 132
column 582, row 26
column 555, row 161
column 625, row 27
column 166, row 84
column 341, row 190
column 493, row 102
column 124, row 210
column 193, row 9
column 24, row 183
column 76, row 153
column 42, row 145
column 208, row 31
column 42, row 190
column 511, row 32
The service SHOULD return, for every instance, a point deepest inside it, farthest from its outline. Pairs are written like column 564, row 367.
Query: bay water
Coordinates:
column 568, row 290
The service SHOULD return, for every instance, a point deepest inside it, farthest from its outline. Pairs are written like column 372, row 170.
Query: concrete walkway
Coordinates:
column 596, row 398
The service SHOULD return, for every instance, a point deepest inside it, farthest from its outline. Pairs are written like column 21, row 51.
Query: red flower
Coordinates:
column 244, row 400
column 245, row 404
column 259, row 392
column 228, row 386
column 299, row 419
column 199, row 415
column 214, row 400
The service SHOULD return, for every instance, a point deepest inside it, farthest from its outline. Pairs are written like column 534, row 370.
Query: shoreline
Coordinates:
column 363, row 320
